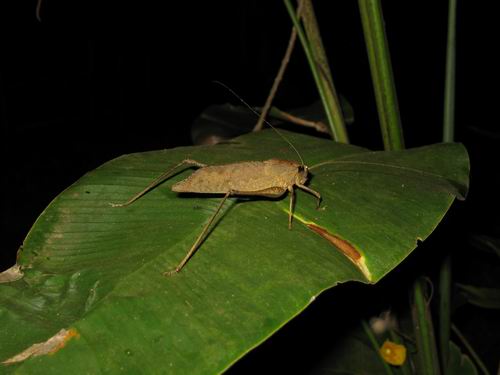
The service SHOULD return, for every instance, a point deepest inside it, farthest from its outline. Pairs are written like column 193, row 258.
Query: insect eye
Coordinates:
column 302, row 168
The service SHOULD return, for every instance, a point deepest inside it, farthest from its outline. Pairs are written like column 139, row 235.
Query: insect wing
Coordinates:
column 243, row 177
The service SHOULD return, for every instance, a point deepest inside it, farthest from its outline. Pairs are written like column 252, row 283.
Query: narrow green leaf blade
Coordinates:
column 487, row 298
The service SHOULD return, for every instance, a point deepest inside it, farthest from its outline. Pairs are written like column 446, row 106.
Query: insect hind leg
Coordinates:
column 200, row 238
column 159, row 180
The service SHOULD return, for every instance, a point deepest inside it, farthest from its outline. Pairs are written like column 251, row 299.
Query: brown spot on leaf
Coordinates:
column 51, row 346
column 345, row 247
column 338, row 242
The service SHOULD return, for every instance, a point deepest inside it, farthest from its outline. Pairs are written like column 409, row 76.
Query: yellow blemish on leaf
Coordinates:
column 392, row 353
column 51, row 346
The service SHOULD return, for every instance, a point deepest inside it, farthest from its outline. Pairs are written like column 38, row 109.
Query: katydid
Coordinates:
column 269, row 178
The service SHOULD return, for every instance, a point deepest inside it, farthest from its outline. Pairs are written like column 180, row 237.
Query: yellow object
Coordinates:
column 392, row 353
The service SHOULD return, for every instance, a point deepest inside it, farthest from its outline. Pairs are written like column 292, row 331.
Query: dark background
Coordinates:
column 94, row 80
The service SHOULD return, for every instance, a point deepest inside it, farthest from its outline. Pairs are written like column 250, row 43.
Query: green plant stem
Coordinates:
column 381, row 71
column 332, row 106
column 445, row 271
column 325, row 76
column 375, row 345
column 449, row 86
column 427, row 361
column 471, row 351
column 444, row 312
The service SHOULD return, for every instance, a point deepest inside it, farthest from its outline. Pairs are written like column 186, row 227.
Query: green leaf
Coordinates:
column 487, row 298
column 96, row 270
column 485, row 243
column 221, row 122
column 459, row 363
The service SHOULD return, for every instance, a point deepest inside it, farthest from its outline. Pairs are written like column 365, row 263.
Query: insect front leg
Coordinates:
column 313, row 192
column 159, row 180
column 292, row 204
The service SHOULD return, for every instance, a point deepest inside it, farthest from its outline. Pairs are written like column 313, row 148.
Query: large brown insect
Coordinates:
column 269, row 178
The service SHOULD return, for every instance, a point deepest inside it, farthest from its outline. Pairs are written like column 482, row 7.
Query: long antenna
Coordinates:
column 258, row 115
